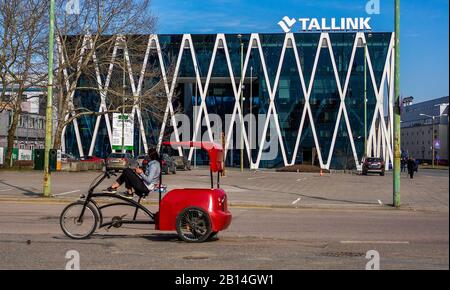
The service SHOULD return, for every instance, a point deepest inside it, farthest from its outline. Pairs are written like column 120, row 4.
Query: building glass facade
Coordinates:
column 311, row 87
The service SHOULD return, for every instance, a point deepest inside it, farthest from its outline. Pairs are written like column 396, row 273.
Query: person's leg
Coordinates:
column 140, row 188
column 128, row 176
column 133, row 181
column 123, row 178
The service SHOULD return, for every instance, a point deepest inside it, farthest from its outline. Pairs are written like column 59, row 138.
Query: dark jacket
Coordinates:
column 411, row 165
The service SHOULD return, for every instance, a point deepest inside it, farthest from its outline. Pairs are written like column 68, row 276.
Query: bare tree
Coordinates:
column 93, row 46
column 83, row 35
column 22, row 56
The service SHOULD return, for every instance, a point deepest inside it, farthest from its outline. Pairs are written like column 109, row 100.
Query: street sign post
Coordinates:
column 123, row 132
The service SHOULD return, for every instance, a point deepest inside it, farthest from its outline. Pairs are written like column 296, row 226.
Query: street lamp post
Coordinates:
column 432, row 142
column 48, row 115
column 195, row 122
column 251, row 117
column 242, row 102
column 365, row 99
column 123, row 101
column 140, row 135
column 397, row 114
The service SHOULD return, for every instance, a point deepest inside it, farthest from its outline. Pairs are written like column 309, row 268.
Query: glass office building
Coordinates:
column 306, row 92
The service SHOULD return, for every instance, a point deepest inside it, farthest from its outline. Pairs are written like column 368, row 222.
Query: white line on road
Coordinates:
column 300, row 179
column 377, row 242
column 68, row 192
column 260, row 177
column 233, row 189
column 296, row 201
column 2, row 190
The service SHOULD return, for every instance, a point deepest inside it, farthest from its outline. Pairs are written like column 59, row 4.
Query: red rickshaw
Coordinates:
column 196, row 214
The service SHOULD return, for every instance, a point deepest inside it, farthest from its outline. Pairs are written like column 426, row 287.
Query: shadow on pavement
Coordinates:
column 26, row 192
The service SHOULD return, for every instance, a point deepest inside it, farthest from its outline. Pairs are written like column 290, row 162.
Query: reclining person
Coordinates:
column 141, row 180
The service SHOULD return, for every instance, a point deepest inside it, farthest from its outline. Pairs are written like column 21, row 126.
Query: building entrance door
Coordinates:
column 307, row 156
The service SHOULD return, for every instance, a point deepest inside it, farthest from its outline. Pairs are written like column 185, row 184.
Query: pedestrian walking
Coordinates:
column 403, row 164
column 411, row 167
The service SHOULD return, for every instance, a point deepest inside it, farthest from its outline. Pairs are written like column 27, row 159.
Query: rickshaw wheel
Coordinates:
column 193, row 225
column 75, row 229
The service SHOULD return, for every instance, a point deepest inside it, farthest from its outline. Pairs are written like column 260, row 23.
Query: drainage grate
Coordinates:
column 342, row 254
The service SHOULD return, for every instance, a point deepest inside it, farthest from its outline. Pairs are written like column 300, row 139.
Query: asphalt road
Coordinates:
column 30, row 238
column 427, row 191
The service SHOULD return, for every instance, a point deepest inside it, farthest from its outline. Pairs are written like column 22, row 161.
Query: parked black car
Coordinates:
column 373, row 165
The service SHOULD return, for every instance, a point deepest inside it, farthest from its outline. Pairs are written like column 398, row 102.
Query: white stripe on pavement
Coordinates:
column 2, row 190
column 254, row 178
column 377, row 242
column 68, row 192
column 296, row 201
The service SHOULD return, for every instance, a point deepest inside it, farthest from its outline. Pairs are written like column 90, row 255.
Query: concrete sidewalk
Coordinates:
column 428, row 191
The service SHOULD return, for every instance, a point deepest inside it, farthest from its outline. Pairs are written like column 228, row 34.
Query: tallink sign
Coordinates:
column 324, row 24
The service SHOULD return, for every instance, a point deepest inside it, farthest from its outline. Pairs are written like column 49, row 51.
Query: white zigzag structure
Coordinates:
column 380, row 139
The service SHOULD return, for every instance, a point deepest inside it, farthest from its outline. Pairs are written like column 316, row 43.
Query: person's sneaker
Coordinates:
column 127, row 194
column 110, row 190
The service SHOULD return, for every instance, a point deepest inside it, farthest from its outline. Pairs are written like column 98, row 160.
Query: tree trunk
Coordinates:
column 61, row 112
column 57, row 138
column 11, row 136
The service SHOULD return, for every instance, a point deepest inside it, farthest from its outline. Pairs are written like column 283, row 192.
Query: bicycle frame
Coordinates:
column 122, row 202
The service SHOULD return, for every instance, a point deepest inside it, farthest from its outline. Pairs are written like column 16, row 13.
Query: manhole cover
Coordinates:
column 342, row 254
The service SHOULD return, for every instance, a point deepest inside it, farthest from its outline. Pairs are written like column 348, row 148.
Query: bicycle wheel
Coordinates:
column 71, row 224
column 193, row 225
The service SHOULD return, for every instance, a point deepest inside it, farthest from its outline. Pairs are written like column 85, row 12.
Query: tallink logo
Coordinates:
column 287, row 23
column 326, row 24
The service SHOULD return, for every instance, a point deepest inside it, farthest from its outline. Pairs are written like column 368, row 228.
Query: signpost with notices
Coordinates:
column 123, row 132
column 24, row 154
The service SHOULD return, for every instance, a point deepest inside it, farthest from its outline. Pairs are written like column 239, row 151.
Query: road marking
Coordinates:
column 300, row 179
column 296, row 201
column 68, row 192
column 260, row 177
column 234, row 189
column 377, row 242
column 2, row 190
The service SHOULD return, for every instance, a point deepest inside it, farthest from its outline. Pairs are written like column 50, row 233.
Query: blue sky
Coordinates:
column 424, row 38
